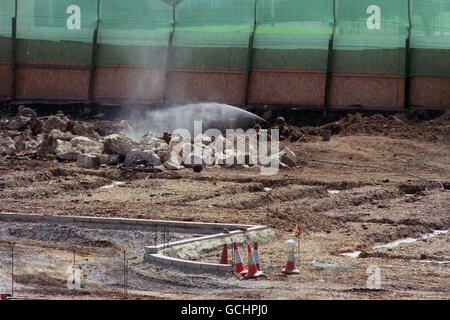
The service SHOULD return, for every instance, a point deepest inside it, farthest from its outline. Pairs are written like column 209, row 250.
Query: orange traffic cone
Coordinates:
column 256, row 255
column 253, row 271
column 224, row 258
column 238, row 264
column 290, row 264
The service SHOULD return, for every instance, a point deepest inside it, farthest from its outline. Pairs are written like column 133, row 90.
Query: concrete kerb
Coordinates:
column 176, row 253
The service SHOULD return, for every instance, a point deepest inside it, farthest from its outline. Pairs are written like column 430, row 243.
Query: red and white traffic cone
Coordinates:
column 290, row 264
column 253, row 271
column 224, row 258
column 256, row 255
column 238, row 264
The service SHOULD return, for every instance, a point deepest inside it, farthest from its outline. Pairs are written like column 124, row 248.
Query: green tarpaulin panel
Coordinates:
column 6, row 14
column 212, row 34
column 430, row 37
column 134, row 32
column 55, row 31
column 293, row 34
column 370, row 36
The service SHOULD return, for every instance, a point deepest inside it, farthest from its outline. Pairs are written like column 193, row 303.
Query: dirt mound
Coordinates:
column 395, row 126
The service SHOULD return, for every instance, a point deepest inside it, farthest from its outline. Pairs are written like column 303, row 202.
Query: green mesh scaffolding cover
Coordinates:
column 134, row 32
column 55, row 30
column 430, row 37
column 212, row 34
column 370, row 36
column 6, row 14
column 292, row 34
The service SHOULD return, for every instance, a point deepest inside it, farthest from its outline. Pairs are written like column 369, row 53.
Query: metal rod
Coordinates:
column 93, row 63
column 250, row 55
column 124, row 273
column 169, row 57
column 407, row 59
column 12, row 269
column 14, row 55
column 326, row 99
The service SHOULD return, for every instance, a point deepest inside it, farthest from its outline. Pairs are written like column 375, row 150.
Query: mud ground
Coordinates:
column 377, row 180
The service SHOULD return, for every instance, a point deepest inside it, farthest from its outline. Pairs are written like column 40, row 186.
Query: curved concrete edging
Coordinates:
column 176, row 253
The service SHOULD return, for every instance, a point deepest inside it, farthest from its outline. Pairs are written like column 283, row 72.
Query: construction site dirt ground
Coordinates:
column 342, row 205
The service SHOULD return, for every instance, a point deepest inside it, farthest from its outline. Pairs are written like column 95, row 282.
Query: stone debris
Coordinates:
column 54, row 122
column 288, row 157
column 68, row 140
column 65, row 151
column 57, row 134
column 119, row 144
column 88, row 161
column 147, row 158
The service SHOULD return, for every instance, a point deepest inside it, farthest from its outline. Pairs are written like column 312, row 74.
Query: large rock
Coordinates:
column 136, row 157
column 65, row 151
column 173, row 163
column 108, row 159
column 203, row 139
column 27, row 112
column 57, row 134
column 118, row 144
column 19, row 123
column 288, row 157
column 177, row 139
column 11, row 150
column 6, row 141
column 88, row 161
column 36, row 126
column 54, row 123
column 150, row 138
column 83, row 143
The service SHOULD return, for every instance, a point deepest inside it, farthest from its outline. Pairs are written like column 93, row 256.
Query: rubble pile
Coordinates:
column 66, row 140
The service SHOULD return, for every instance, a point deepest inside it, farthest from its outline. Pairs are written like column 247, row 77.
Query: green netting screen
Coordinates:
column 292, row 34
column 55, row 30
column 6, row 13
column 134, row 32
column 430, row 37
column 370, row 36
column 212, row 34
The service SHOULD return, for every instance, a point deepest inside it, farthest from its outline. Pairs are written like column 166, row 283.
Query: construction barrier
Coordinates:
column 379, row 54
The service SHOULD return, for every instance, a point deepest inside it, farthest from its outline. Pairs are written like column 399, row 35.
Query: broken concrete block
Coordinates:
column 108, row 159
column 136, row 157
column 82, row 141
column 203, row 139
column 27, row 112
column 65, row 151
column 177, row 139
column 118, row 144
column 6, row 141
column 150, row 138
column 93, row 150
column 57, row 134
column 10, row 150
column 54, row 123
column 288, row 157
column 173, row 163
column 19, row 123
column 88, row 161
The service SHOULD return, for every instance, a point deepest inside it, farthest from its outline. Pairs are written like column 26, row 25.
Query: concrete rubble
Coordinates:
column 67, row 140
